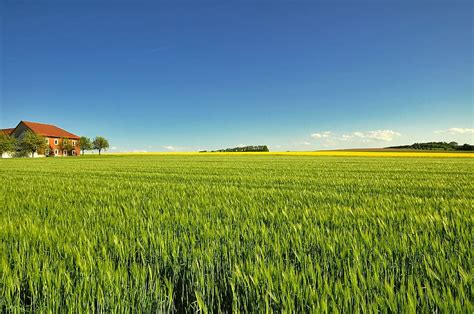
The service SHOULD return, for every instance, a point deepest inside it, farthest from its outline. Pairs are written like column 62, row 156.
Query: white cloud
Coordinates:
column 302, row 143
column 461, row 131
column 169, row 147
column 378, row 135
column 113, row 148
column 319, row 135
column 329, row 142
column 456, row 131
column 172, row 148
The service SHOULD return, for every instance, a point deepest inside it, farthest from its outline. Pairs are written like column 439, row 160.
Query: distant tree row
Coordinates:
column 35, row 143
column 257, row 148
column 99, row 143
column 437, row 146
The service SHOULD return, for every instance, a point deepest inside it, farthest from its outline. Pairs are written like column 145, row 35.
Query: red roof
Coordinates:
column 7, row 131
column 49, row 130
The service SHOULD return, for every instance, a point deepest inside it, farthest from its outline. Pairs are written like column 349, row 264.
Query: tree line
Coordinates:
column 99, row 143
column 256, row 148
column 437, row 146
column 35, row 143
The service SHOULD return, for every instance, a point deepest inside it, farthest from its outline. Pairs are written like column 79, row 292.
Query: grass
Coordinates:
column 242, row 233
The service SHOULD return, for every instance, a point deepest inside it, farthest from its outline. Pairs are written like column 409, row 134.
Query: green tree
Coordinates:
column 85, row 144
column 32, row 143
column 7, row 143
column 466, row 147
column 100, row 143
column 66, row 145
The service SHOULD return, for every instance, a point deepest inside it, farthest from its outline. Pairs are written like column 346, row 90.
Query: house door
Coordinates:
column 64, row 152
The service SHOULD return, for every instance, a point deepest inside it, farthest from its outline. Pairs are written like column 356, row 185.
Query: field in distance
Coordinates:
column 371, row 152
column 298, row 232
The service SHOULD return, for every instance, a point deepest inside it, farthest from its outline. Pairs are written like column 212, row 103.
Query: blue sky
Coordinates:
column 295, row 75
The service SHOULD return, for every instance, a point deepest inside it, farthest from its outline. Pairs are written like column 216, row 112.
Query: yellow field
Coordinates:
column 322, row 153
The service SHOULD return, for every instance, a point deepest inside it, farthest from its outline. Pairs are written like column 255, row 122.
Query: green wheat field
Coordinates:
column 179, row 233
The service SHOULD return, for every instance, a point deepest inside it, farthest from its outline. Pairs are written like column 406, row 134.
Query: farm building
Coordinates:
column 53, row 135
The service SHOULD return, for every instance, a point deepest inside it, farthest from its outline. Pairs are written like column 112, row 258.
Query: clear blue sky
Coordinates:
column 188, row 75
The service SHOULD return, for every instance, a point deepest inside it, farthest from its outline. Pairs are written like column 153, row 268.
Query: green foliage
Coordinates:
column 100, row 143
column 437, row 146
column 7, row 143
column 66, row 144
column 466, row 147
column 85, row 144
column 32, row 143
column 236, row 234
column 258, row 148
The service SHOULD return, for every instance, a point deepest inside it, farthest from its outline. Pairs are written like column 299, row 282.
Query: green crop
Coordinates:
column 236, row 234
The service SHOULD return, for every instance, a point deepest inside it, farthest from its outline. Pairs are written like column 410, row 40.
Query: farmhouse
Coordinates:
column 53, row 135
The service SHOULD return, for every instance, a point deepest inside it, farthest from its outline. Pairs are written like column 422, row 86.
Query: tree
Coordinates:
column 466, row 147
column 66, row 145
column 453, row 144
column 100, row 143
column 258, row 148
column 32, row 142
column 85, row 144
column 7, row 143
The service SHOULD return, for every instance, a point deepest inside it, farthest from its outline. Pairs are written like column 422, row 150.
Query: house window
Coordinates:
column 73, row 143
column 74, row 153
column 64, row 152
column 56, row 152
column 56, row 142
column 46, row 152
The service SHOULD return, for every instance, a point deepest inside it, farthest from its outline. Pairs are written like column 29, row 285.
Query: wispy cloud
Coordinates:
column 320, row 135
column 456, row 131
column 303, row 143
column 169, row 147
column 329, row 138
column 329, row 142
column 172, row 148
column 378, row 135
